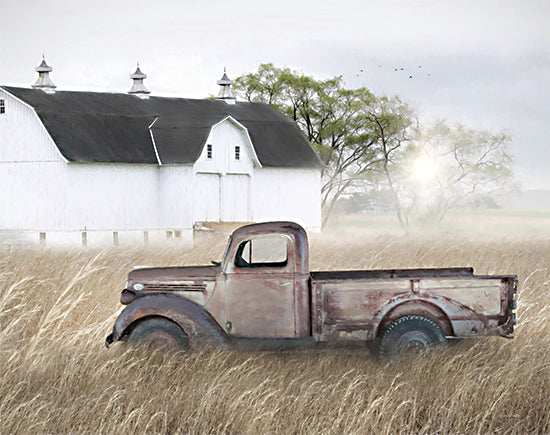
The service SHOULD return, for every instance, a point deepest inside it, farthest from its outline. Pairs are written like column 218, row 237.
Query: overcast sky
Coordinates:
column 484, row 62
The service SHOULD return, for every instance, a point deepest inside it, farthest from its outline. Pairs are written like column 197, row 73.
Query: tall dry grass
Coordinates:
column 56, row 308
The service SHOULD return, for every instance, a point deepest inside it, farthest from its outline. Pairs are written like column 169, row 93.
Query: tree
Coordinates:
column 265, row 86
column 354, row 133
column 452, row 166
column 393, row 124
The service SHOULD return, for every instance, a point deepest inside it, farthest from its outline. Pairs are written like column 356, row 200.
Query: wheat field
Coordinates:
column 57, row 306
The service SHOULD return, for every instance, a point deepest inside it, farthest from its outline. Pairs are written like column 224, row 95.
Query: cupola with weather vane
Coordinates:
column 138, row 88
column 44, row 82
column 225, row 89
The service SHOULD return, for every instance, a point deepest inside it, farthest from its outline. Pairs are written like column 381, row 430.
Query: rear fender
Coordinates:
column 420, row 308
column 454, row 318
column 194, row 320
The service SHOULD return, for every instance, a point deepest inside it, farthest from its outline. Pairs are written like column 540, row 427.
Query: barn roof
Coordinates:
column 116, row 128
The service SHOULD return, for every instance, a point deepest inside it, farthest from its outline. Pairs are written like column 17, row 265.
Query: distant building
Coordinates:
column 90, row 167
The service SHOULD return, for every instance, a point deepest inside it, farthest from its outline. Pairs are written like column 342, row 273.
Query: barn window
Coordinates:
column 209, row 151
column 237, row 152
column 262, row 251
column 2, row 106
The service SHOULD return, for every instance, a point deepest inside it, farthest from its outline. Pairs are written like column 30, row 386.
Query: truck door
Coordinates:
column 260, row 287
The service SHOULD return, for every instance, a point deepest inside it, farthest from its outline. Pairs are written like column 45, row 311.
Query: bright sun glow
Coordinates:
column 424, row 169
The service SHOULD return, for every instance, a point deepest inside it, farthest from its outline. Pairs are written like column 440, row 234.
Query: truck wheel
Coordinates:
column 410, row 335
column 158, row 332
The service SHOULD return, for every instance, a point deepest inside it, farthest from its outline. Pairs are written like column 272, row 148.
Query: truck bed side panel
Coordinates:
column 348, row 306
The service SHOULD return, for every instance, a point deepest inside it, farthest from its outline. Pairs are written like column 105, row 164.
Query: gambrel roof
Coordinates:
column 118, row 128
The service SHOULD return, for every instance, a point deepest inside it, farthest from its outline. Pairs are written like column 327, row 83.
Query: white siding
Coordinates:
column 288, row 194
column 223, row 137
column 22, row 135
column 112, row 196
column 176, row 196
column 56, row 196
column 97, row 198
column 30, row 195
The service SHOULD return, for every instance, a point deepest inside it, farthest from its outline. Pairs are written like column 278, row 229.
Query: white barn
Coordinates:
column 92, row 168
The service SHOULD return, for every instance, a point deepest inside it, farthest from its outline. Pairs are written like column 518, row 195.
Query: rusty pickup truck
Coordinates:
column 263, row 289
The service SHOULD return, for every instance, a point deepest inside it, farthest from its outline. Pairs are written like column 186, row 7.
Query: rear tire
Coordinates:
column 159, row 333
column 410, row 335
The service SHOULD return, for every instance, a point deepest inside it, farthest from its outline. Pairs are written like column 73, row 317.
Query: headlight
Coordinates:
column 138, row 287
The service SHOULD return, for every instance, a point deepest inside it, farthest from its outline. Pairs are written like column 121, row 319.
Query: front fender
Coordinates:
column 194, row 320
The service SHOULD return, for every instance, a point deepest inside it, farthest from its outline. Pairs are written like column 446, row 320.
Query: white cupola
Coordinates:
column 225, row 89
column 44, row 82
column 138, row 88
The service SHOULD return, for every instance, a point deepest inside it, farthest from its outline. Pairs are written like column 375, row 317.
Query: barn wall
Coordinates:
column 29, row 196
column 287, row 194
column 63, row 200
column 23, row 138
column 132, row 200
column 111, row 196
column 176, row 196
column 56, row 196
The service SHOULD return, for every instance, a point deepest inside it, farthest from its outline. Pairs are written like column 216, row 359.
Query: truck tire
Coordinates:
column 158, row 332
column 410, row 335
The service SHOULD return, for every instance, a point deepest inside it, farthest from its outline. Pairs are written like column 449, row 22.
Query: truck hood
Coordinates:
column 173, row 275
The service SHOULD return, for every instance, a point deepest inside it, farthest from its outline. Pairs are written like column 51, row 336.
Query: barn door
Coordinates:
column 207, row 198
column 235, row 198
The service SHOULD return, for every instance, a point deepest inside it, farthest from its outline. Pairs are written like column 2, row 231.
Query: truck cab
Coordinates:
column 264, row 283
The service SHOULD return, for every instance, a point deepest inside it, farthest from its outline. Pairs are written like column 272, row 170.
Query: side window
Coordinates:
column 237, row 152
column 2, row 106
column 263, row 251
column 208, row 151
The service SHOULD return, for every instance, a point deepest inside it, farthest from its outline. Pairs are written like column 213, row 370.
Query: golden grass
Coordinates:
column 57, row 306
